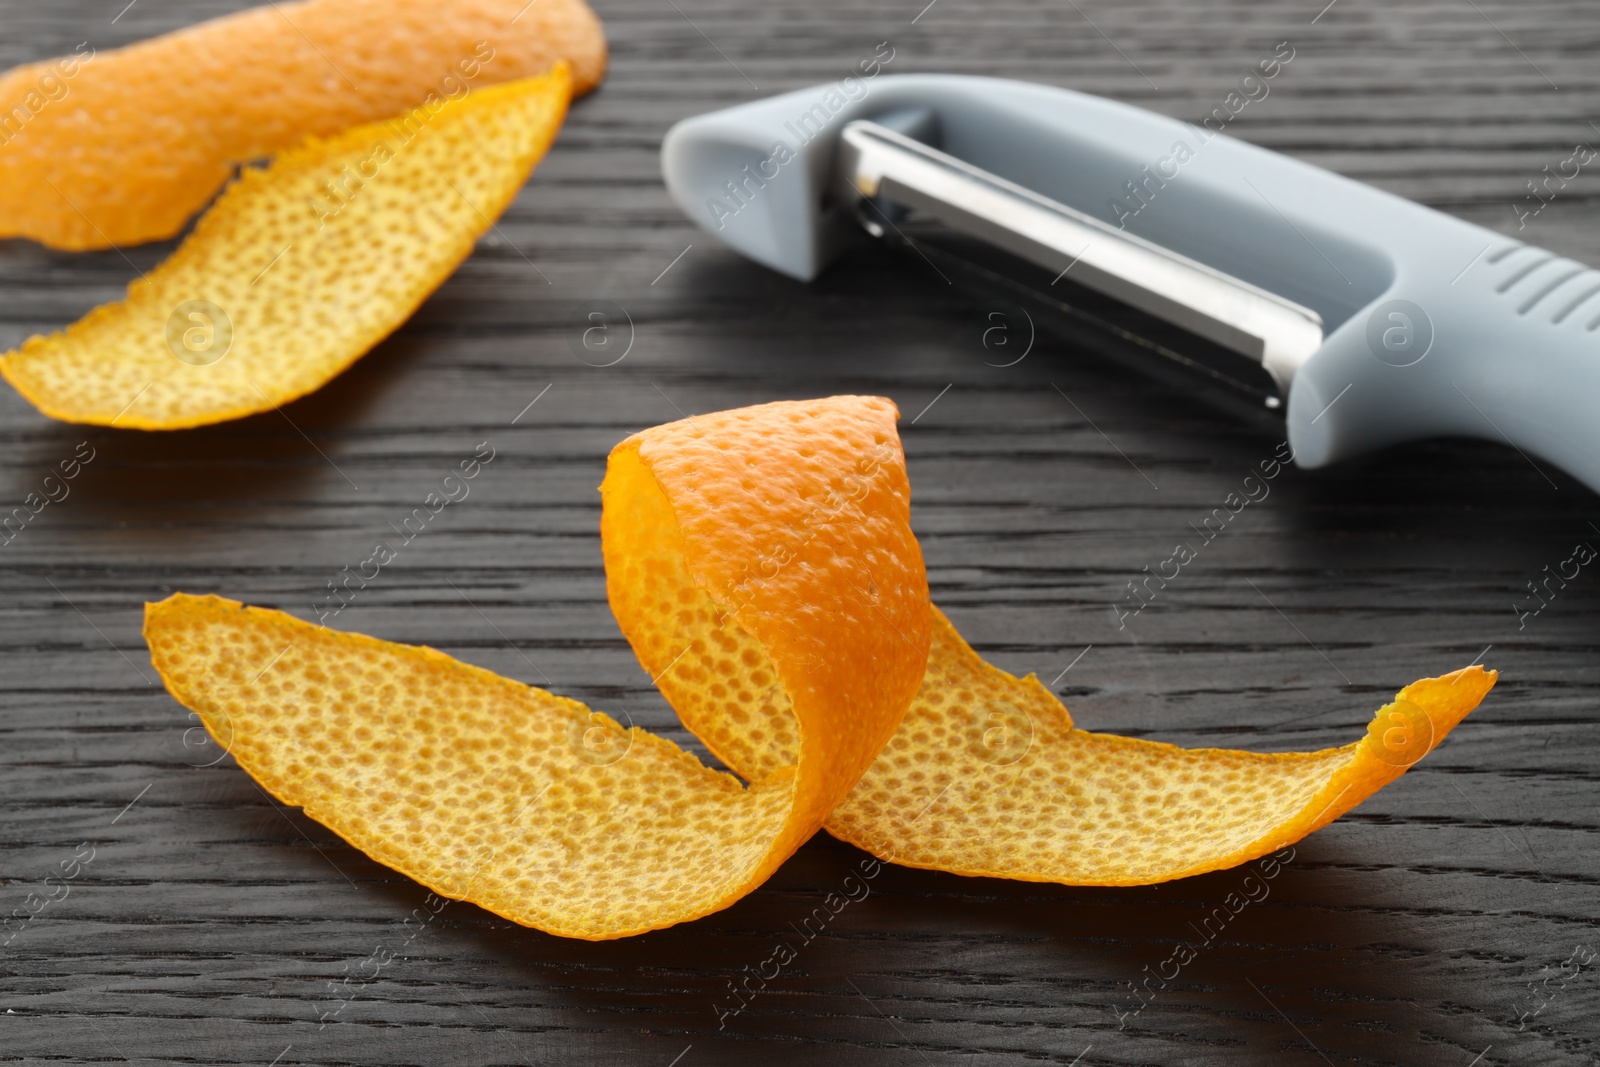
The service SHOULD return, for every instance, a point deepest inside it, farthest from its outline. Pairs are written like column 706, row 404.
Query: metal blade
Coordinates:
column 877, row 163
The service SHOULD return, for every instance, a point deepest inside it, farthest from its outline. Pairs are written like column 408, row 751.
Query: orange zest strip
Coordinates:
column 116, row 148
column 988, row 776
column 762, row 566
column 529, row 804
column 283, row 284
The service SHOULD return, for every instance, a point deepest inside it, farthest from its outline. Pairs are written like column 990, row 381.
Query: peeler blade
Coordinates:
column 881, row 173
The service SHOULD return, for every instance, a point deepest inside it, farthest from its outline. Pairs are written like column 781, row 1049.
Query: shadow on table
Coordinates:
column 935, row 965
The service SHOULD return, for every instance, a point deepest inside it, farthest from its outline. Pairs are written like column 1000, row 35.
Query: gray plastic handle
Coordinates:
column 1435, row 326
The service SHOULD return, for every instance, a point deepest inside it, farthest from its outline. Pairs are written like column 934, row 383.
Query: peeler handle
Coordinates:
column 1507, row 350
column 1434, row 325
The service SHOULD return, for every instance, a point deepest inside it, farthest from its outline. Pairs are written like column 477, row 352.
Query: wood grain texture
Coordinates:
column 210, row 921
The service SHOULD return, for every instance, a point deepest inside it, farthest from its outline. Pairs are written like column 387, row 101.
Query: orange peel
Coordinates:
column 762, row 566
column 115, row 148
column 281, row 286
column 988, row 776
column 488, row 790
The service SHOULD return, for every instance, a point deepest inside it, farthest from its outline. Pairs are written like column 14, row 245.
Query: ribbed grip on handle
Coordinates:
column 1507, row 350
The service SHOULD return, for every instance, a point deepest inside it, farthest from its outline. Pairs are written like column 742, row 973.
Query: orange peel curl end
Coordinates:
column 987, row 775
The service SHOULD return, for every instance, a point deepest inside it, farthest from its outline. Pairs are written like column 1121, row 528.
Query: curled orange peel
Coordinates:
column 530, row 805
column 761, row 564
column 299, row 268
column 100, row 149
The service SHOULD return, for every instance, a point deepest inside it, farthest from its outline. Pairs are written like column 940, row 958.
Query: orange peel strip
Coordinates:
column 280, row 287
column 988, row 776
column 125, row 146
column 531, row 805
column 761, row 564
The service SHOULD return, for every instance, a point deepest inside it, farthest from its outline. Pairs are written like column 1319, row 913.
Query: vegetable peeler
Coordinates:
column 1359, row 317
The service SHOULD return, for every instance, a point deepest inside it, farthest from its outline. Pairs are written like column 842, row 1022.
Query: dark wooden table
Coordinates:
column 1430, row 926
